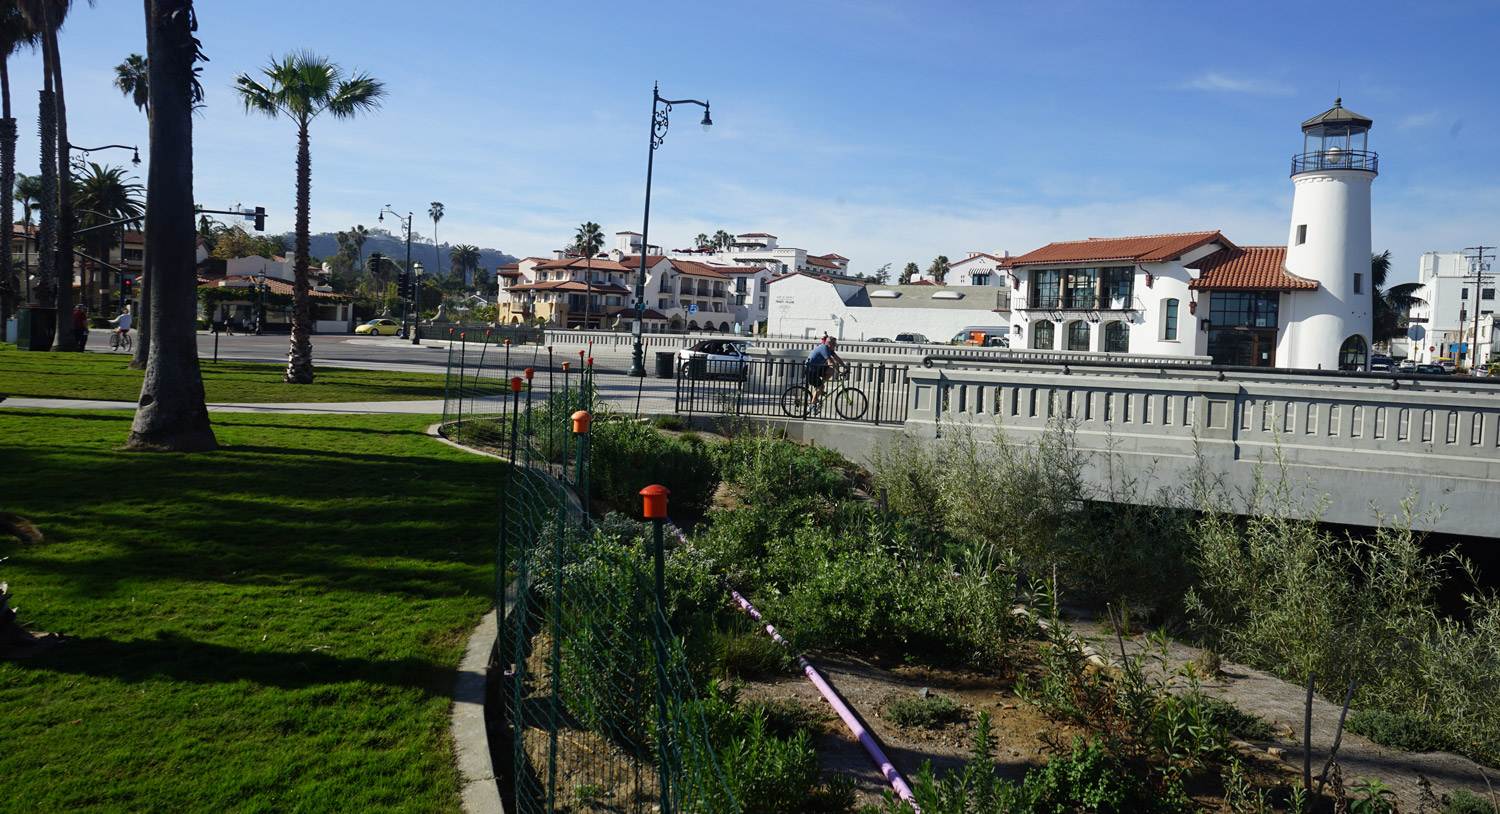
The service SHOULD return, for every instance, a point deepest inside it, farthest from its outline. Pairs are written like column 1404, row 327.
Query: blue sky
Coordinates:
column 887, row 132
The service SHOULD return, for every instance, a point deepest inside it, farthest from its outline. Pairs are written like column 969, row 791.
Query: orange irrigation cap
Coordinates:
column 565, row 365
column 656, row 501
column 591, row 361
column 581, row 421
column 516, row 383
column 530, row 372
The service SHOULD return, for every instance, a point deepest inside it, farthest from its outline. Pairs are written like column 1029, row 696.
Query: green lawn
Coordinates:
column 26, row 374
column 272, row 626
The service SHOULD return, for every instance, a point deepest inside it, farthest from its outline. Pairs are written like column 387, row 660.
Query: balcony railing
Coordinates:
column 1085, row 303
column 1336, row 159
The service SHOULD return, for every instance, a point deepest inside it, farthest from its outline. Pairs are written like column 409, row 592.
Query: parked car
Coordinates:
column 379, row 327
column 716, row 358
column 920, row 339
column 1446, row 362
column 877, row 339
column 1382, row 364
column 1407, row 366
column 1434, row 370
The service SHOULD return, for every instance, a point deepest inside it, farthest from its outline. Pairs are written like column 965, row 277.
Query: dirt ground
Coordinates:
column 868, row 687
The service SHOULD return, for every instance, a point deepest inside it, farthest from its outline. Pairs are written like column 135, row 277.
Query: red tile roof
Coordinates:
column 1248, row 268
column 570, row 285
column 1142, row 249
column 597, row 264
column 1000, row 262
column 273, row 285
column 834, row 257
column 755, row 234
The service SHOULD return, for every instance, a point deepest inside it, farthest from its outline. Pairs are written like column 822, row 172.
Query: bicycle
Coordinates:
column 799, row 400
column 119, row 340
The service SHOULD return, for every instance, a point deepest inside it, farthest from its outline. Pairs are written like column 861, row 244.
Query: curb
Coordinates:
column 471, row 744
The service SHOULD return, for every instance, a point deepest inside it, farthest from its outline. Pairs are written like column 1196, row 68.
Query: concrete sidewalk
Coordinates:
column 429, row 407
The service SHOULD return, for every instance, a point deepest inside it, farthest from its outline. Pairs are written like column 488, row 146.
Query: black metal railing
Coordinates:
column 1084, row 302
column 1336, row 159
column 758, row 388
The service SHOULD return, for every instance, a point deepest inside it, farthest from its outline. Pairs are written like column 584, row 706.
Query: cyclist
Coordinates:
column 820, row 364
column 122, row 325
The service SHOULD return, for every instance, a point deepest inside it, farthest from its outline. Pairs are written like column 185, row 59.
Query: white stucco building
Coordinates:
column 808, row 305
column 1444, row 322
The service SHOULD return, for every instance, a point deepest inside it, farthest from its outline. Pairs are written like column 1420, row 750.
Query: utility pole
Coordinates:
column 1479, row 275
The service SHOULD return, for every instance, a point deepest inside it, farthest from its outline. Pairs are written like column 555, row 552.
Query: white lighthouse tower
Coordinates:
column 1330, row 244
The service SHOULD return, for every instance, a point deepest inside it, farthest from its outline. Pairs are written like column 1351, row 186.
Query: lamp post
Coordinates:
column 78, row 161
column 260, row 285
column 405, row 230
column 416, row 302
column 660, row 108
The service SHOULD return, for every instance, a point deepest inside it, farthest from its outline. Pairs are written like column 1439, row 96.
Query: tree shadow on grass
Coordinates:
column 172, row 657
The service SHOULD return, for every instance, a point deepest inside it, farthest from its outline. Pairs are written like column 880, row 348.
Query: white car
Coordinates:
column 715, row 358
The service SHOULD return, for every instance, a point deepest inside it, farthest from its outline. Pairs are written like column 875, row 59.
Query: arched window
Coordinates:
column 1116, row 337
column 1354, row 354
column 1078, row 335
column 693, row 326
column 1042, row 335
column 1169, row 320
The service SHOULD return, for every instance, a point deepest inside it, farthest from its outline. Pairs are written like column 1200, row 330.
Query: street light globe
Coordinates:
column 707, row 122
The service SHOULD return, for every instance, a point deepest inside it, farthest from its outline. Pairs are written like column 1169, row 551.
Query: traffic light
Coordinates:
column 403, row 288
column 260, row 218
column 127, row 288
column 374, row 262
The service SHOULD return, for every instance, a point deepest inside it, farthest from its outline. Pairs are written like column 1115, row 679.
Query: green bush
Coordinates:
column 628, row 456
column 1399, row 730
column 1462, row 802
column 767, row 470
column 669, row 422
column 934, row 710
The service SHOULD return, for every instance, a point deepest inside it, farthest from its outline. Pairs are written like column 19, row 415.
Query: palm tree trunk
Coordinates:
column 64, row 340
column 172, row 415
column 299, row 367
column 8, row 286
column 47, row 218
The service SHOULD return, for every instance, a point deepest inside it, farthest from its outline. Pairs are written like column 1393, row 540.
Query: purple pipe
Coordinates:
column 832, row 697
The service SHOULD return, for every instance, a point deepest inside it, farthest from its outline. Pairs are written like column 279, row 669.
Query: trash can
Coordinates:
column 664, row 361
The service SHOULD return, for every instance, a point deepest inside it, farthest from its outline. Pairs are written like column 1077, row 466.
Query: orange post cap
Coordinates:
column 530, row 372
column 656, row 501
column 565, row 366
column 581, row 421
column 516, row 384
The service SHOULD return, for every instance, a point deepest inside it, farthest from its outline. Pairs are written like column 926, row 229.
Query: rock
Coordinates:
column 1276, row 752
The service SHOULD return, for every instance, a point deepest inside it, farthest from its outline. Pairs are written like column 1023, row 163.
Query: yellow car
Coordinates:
column 379, row 327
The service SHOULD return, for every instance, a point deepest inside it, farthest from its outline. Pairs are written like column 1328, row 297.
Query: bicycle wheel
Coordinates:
column 850, row 403
column 125, row 341
column 797, row 401
column 114, row 341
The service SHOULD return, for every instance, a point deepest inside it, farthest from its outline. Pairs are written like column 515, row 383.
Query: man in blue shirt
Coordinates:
column 820, row 364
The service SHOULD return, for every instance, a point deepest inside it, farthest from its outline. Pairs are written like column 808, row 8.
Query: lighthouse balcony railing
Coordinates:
column 1336, row 159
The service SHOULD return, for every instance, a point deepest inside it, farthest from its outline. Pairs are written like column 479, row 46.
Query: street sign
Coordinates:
column 692, row 309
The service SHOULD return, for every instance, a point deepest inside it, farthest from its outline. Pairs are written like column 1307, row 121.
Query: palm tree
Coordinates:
column 722, row 240
column 171, row 415
column 588, row 241
column 939, row 268
column 104, row 194
column 15, row 33
column 56, row 239
column 130, row 78
column 1390, row 304
column 436, row 213
column 301, row 86
column 28, row 191
column 357, row 237
column 908, row 273
column 702, row 241
column 465, row 260
column 279, row 244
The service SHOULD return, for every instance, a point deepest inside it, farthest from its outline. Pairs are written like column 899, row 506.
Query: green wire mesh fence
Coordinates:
column 598, row 708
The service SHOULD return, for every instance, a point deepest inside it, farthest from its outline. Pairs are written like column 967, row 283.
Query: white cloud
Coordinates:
column 1218, row 82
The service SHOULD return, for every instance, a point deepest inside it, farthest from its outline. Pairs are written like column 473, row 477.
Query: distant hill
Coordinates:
column 325, row 244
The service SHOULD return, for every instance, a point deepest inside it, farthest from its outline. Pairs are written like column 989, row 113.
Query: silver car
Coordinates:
column 715, row 358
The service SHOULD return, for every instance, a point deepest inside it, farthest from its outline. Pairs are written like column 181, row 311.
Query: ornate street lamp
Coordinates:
column 405, row 230
column 658, row 133
column 416, row 302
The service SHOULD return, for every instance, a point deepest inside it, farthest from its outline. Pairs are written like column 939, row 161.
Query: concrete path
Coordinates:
column 429, row 407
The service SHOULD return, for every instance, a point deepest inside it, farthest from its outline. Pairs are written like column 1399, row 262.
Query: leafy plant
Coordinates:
column 1464, row 802
column 1399, row 730
column 1378, row 797
column 929, row 712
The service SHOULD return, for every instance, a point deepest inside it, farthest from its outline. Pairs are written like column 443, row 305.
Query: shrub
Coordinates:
column 669, row 422
column 628, row 455
column 1462, row 802
column 934, row 710
column 766, row 470
column 1399, row 730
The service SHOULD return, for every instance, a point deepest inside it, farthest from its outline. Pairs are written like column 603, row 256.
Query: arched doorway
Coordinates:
column 1116, row 337
column 1042, row 334
column 693, row 326
column 1354, row 354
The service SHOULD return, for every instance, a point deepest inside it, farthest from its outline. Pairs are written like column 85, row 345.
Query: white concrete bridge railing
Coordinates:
column 1358, row 440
